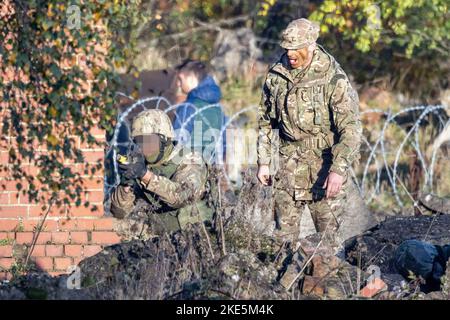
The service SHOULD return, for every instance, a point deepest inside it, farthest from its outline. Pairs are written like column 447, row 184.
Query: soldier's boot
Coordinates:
column 292, row 273
column 287, row 238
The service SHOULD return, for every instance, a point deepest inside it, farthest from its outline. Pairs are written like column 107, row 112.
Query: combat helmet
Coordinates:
column 152, row 121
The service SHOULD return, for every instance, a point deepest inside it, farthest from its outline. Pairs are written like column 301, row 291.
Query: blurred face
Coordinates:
column 187, row 81
column 299, row 58
column 149, row 145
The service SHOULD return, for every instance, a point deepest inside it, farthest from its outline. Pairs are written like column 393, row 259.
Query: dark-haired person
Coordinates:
column 199, row 120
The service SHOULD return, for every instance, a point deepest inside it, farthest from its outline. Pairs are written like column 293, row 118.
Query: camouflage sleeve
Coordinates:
column 265, row 113
column 344, row 104
column 186, row 186
column 122, row 202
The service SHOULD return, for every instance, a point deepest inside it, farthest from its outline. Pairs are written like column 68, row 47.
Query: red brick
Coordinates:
column 62, row 263
column 24, row 237
column 14, row 198
column 93, row 184
column 8, row 225
column 27, row 237
column 89, row 251
column 93, row 156
column 44, row 263
column 38, row 251
column 82, row 211
column 6, row 263
column 81, row 168
column 49, row 225
column 77, row 260
column 4, row 156
column 85, row 224
column 44, row 237
column 54, row 250
column 92, row 169
column 22, row 199
column 11, row 185
column 73, row 250
column 67, row 224
column 7, row 235
column 4, row 198
column 6, row 251
column 96, row 197
column 373, row 288
column 96, row 131
column 104, row 224
column 13, row 211
column 103, row 237
column 76, row 224
column 37, row 211
column 79, row 237
column 60, row 237
column 93, row 146
column 31, row 170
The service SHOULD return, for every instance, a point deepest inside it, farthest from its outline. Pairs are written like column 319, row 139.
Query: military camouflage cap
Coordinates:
column 152, row 121
column 299, row 33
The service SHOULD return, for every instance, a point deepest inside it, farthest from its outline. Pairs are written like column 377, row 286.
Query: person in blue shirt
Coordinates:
column 200, row 118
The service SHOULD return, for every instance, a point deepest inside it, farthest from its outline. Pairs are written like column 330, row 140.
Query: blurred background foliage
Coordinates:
column 402, row 44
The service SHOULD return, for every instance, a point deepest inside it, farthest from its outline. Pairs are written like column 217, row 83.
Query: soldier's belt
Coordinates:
column 308, row 143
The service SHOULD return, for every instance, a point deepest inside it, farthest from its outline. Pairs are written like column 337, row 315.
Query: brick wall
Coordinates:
column 68, row 235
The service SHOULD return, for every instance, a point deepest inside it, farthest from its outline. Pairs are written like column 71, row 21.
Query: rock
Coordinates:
column 325, row 266
column 356, row 218
column 313, row 245
column 435, row 203
column 250, row 224
column 394, row 281
column 435, row 295
column 340, row 283
column 313, row 285
column 446, row 282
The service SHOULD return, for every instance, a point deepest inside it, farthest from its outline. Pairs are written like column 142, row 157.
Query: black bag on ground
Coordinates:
column 422, row 259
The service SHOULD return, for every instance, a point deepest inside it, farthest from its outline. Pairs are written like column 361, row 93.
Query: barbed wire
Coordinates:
column 378, row 151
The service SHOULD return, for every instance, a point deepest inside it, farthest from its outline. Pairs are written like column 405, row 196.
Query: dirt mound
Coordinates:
column 376, row 246
column 182, row 266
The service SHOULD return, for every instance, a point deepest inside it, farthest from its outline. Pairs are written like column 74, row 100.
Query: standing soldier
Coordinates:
column 171, row 180
column 309, row 100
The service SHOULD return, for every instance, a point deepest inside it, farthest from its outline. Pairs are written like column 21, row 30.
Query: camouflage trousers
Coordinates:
column 326, row 215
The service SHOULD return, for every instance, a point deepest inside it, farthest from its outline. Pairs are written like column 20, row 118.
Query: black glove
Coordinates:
column 136, row 169
column 126, row 182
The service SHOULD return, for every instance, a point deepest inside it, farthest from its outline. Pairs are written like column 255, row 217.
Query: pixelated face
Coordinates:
column 187, row 81
column 149, row 144
column 298, row 57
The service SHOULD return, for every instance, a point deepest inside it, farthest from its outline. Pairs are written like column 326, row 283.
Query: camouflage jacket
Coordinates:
column 317, row 117
column 179, row 183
